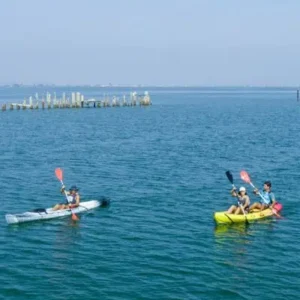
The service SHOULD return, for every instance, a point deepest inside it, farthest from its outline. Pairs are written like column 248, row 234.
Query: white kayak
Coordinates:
column 48, row 213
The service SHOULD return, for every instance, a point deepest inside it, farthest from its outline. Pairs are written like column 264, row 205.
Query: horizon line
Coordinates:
column 20, row 85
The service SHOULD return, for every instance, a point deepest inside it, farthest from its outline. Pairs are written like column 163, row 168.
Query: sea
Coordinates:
column 163, row 167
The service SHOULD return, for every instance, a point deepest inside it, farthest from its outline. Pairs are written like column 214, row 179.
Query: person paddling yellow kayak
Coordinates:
column 267, row 197
column 243, row 199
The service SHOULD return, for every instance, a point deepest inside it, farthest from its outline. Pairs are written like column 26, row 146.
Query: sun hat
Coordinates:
column 74, row 188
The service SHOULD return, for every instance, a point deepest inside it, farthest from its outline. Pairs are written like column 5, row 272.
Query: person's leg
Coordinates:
column 56, row 207
column 238, row 211
column 231, row 209
column 255, row 205
column 262, row 207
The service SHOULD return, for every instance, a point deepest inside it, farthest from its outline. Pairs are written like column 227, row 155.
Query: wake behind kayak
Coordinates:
column 49, row 213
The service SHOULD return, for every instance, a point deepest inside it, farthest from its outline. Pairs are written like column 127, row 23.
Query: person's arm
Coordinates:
column 233, row 193
column 62, row 190
column 77, row 199
column 256, row 192
column 273, row 200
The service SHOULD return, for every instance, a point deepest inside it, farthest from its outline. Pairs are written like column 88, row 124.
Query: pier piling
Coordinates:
column 78, row 100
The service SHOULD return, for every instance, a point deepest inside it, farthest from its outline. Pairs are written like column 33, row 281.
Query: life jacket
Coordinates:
column 72, row 199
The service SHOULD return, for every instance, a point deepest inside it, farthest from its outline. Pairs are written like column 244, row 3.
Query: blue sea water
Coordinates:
column 163, row 167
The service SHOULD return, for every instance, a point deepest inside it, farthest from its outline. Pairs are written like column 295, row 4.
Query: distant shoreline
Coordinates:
column 148, row 86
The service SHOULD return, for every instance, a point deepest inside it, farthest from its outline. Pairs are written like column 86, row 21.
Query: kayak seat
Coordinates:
column 39, row 210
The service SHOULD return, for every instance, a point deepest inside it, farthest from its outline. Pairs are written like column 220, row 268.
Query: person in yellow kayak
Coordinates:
column 243, row 199
column 73, row 198
column 267, row 197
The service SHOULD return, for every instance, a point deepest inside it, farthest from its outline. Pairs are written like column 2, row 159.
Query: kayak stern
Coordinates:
column 11, row 219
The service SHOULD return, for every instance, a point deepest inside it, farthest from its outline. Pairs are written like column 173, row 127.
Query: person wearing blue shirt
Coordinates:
column 267, row 197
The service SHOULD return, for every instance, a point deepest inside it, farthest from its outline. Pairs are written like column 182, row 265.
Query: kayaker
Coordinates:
column 267, row 195
column 243, row 199
column 73, row 198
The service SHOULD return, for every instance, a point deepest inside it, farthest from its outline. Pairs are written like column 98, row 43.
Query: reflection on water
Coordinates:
column 234, row 241
column 65, row 231
column 224, row 230
column 45, row 224
column 241, row 230
column 67, row 234
column 65, row 244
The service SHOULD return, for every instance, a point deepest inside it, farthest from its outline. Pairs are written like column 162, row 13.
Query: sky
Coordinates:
column 150, row 42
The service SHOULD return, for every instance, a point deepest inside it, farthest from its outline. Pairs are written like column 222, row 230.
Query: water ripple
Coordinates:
column 163, row 168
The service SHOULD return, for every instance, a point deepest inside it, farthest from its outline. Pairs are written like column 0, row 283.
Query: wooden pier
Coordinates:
column 77, row 100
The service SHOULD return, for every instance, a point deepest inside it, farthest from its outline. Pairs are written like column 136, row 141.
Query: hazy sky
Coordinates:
column 192, row 42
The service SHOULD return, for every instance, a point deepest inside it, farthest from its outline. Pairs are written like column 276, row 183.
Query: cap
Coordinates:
column 74, row 188
column 242, row 189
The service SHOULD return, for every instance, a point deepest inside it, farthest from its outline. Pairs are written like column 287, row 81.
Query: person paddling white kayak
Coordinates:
column 73, row 198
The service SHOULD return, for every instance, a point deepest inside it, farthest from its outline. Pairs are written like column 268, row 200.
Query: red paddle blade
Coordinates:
column 245, row 176
column 74, row 217
column 59, row 174
column 278, row 207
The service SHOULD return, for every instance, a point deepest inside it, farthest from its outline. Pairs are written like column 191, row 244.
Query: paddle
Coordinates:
column 230, row 178
column 245, row 176
column 59, row 175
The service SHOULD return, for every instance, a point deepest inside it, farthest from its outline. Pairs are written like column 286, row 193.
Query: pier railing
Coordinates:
column 78, row 100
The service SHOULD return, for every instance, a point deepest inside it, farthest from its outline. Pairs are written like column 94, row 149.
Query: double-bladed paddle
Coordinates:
column 59, row 175
column 230, row 178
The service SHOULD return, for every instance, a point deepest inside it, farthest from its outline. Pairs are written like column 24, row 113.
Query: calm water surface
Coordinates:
column 164, row 169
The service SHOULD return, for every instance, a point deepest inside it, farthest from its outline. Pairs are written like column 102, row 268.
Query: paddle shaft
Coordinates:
column 239, row 203
column 62, row 184
column 59, row 176
column 230, row 178
column 259, row 193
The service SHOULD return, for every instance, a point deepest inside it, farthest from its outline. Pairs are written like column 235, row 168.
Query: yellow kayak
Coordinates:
column 223, row 217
